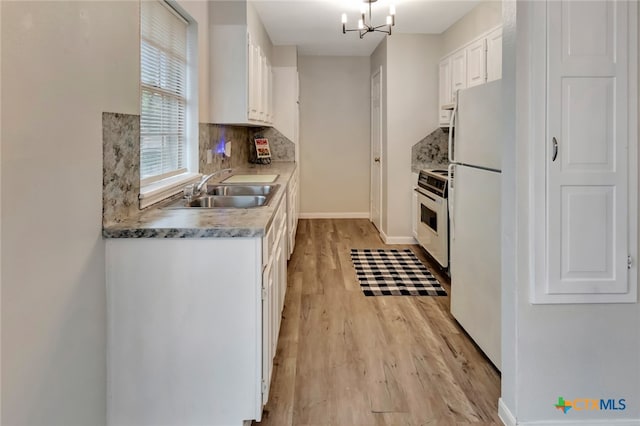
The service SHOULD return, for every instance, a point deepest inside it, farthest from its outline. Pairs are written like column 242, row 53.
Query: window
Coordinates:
column 166, row 98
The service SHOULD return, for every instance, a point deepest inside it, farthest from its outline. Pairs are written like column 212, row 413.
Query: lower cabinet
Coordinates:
column 193, row 326
column 274, row 287
column 293, row 212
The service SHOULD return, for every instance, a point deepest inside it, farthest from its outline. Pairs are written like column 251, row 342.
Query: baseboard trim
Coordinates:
column 336, row 215
column 396, row 240
column 603, row 422
column 510, row 420
column 505, row 414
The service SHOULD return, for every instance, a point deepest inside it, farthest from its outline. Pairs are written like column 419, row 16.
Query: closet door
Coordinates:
column 587, row 164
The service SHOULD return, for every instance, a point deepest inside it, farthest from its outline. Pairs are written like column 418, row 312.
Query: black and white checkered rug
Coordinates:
column 394, row 273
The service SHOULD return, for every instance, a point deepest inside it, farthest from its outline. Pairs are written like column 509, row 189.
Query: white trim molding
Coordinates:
column 335, row 215
column 508, row 419
column 397, row 240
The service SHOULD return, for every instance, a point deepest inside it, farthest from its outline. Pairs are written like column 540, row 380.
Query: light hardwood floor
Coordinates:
column 346, row 359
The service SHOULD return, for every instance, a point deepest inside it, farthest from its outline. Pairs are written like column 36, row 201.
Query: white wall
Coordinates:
column 63, row 64
column 486, row 15
column 285, row 85
column 574, row 351
column 334, row 135
column 412, row 113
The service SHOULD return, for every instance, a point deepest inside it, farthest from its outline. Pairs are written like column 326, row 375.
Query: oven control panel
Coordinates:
column 434, row 181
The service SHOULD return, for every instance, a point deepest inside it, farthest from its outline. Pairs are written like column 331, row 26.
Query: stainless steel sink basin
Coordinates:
column 229, row 197
column 237, row 201
column 240, row 189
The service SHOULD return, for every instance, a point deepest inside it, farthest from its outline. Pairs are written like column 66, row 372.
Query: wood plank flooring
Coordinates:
column 346, row 359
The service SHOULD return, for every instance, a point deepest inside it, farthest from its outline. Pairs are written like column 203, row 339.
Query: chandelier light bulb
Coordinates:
column 360, row 24
column 344, row 18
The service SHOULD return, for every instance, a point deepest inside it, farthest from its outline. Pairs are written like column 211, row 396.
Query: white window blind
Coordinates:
column 163, row 76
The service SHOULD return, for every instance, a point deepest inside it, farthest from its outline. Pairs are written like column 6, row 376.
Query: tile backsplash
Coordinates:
column 121, row 157
column 120, row 166
column 282, row 149
column 431, row 152
column 213, row 138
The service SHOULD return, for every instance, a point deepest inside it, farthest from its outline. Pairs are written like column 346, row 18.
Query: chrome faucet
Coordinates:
column 195, row 189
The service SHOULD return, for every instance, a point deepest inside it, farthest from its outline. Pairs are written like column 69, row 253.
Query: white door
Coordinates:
column 376, row 148
column 476, row 63
column 445, row 95
column 494, row 55
column 458, row 72
column 587, row 143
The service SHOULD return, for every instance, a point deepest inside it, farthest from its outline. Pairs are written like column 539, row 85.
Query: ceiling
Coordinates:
column 314, row 25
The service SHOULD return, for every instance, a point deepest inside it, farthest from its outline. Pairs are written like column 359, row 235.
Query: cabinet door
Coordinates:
column 445, row 94
column 589, row 135
column 264, row 93
column 476, row 63
column 281, row 262
column 267, row 326
column 251, row 82
column 494, row 55
column 458, row 72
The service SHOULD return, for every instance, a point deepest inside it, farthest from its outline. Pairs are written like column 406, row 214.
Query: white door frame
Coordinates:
column 373, row 76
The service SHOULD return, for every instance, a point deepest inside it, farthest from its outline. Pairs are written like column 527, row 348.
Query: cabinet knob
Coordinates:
column 377, row 159
column 555, row 149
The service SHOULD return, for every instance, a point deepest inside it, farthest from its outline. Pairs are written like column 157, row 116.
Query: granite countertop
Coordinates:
column 157, row 222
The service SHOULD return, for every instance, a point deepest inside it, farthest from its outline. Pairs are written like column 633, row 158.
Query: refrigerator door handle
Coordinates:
column 451, row 126
column 451, row 199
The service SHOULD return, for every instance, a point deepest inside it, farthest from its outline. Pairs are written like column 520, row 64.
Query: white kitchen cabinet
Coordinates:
column 585, row 148
column 193, row 326
column 445, row 94
column 476, row 63
column 238, row 69
column 458, row 72
column 274, row 286
column 254, row 80
column 494, row 55
column 293, row 212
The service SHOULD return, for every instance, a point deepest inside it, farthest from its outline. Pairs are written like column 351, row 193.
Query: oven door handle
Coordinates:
column 425, row 195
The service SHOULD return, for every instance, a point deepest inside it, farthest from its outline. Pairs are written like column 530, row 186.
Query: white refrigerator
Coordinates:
column 474, row 210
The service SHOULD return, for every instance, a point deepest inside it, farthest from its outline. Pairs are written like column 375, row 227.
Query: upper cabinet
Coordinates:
column 239, row 67
column 472, row 64
column 494, row 55
column 458, row 71
column 445, row 93
column 476, row 63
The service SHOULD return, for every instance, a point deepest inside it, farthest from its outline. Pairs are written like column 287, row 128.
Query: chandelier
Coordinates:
column 365, row 26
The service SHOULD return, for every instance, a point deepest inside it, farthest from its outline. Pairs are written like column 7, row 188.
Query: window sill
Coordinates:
column 155, row 192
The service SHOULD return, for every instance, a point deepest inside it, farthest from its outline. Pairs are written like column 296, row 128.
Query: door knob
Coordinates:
column 377, row 159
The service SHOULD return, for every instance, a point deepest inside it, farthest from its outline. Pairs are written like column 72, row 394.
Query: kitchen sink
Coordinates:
column 237, row 201
column 229, row 197
column 240, row 189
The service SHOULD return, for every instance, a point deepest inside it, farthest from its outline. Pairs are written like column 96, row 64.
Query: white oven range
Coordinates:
column 432, row 214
